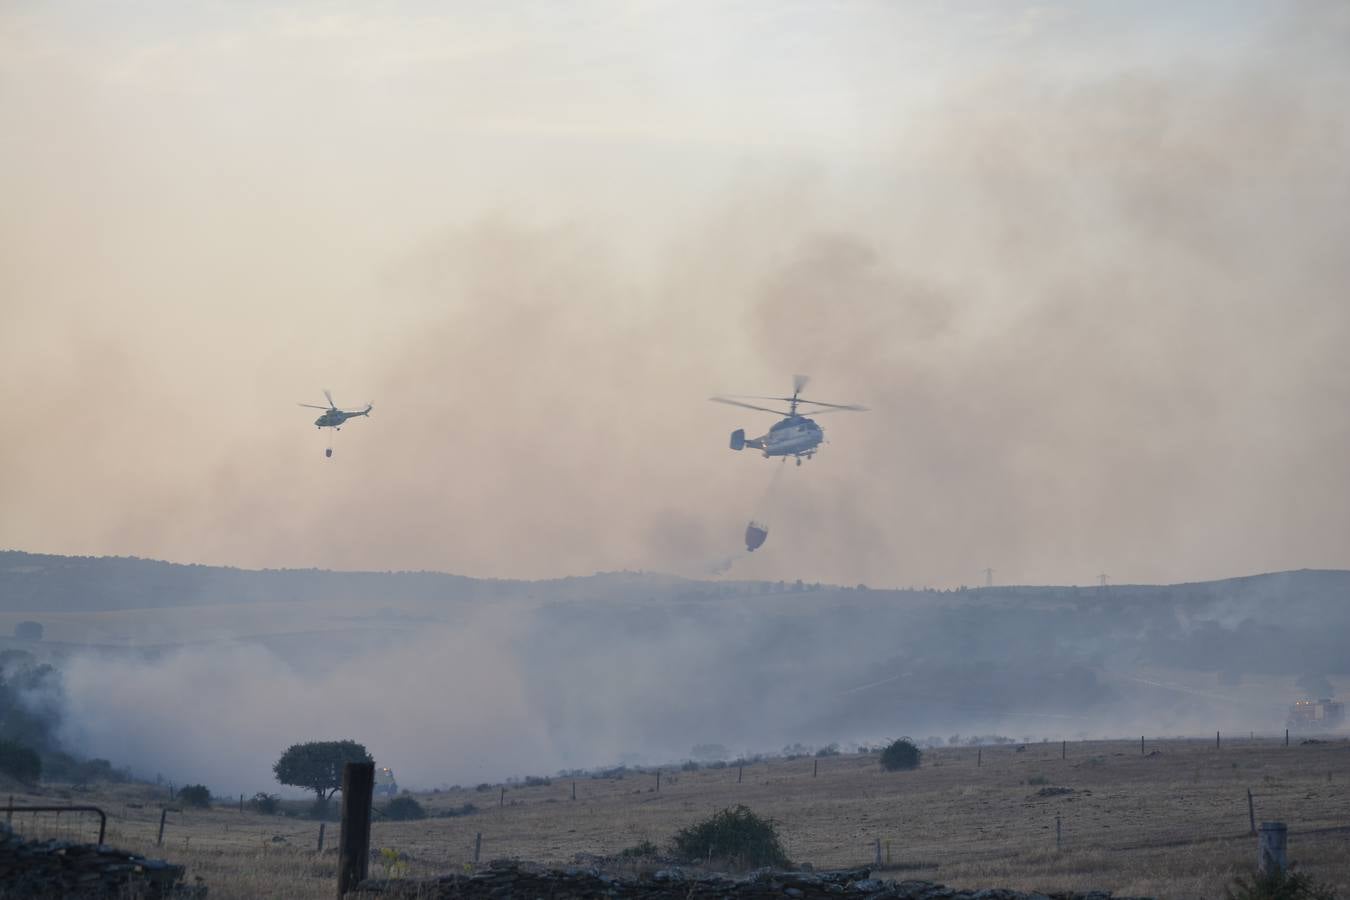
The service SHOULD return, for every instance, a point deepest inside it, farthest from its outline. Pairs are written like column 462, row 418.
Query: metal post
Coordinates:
column 1272, row 848
column 501, row 801
column 740, row 773
column 1063, row 749
column 1251, row 812
column 979, row 756
column 658, row 781
column 241, row 802
column 321, row 826
column 477, row 846
column 1286, row 737
column 159, row 841
column 574, row 790
column 358, row 793
column 1141, row 745
column 815, row 768
column 1216, row 740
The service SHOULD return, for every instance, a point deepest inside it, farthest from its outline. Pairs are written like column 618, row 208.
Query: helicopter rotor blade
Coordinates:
column 312, row 406
column 833, row 409
column 331, row 404
column 851, row 407
column 799, row 383
column 730, row 402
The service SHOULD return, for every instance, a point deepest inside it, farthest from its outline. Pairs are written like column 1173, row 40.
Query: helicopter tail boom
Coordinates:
column 739, row 441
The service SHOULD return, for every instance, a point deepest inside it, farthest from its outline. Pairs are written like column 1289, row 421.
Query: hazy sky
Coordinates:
column 1085, row 261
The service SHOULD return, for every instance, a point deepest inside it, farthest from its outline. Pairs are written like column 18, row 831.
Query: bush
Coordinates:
column 265, row 803
column 1287, row 885
column 456, row 811
column 737, row 834
column 404, row 809
column 899, row 755
column 19, row 762
column 537, row 781
column 690, row 766
column 484, row 787
column 831, row 750
column 640, row 851
column 197, row 795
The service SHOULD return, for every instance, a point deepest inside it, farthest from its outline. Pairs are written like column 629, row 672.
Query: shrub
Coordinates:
column 484, row 787
column 736, row 834
column 639, row 851
column 537, row 781
column 1287, row 885
column 404, row 809
column 265, row 803
column 456, row 811
column 19, row 762
column 198, row 795
column 900, row 754
column 690, row 766
column 830, row 750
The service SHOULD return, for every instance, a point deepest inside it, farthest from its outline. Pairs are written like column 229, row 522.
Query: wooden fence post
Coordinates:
column 501, row 801
column 1057, row 833
column 1063, row 749
column 740, row 773
column 574, row 790
column 1272, row 848
column 1141, row 745
column 815, row 768
column 1251, row 812
column 321, row 827
column 477, row 846
column 658, row 781
column 1286, row 737
column 241, row 802
column 1216, row 740
column 163, row 812
column 979, row 756
column 358, row 793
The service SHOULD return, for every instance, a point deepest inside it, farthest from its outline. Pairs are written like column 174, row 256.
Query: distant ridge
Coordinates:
column 39, row 582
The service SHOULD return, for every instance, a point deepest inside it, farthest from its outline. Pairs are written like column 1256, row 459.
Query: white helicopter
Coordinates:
column 335, row 418
column 796, row 435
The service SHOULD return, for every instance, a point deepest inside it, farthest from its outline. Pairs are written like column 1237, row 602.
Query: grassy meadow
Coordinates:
column 1172, row 823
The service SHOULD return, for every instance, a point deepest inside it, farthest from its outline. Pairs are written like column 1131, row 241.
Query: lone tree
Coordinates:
column 901, row 754
column 317, row 766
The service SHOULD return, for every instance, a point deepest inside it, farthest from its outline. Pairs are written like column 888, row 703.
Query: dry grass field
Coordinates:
column 1172, row 824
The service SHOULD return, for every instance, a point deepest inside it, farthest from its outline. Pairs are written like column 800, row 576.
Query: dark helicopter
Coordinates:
column 335, row 418
column 796, row 435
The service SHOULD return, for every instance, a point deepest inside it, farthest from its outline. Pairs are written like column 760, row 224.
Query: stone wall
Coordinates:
column 510, row 879
column 65, row 869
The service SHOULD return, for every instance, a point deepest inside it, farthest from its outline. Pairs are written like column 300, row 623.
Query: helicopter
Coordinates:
column 796, row 435
column 335, row 418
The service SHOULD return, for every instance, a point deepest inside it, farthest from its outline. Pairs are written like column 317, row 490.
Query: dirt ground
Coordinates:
column 1171, row 823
